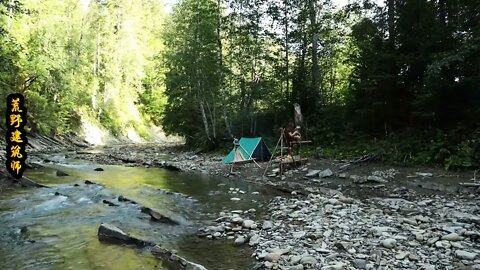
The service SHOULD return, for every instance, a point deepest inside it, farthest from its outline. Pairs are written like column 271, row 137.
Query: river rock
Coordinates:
column 296, row 267
column 272, row 257
column 239, row 241
column 61, row 173
column 99, row 169
column 401, row 255
column 248, row 223
column 452, row 237
column 360, row 263
column 297, row 258
column 325, row 173
column 312, row 173
column 109, row 203
column 389, row 243
column 309, row 260
column 299, row 234
column 156, row 216
column 175, row 261
column 109, row 232
column 254, row 240
column 121, row 198
column 465, row 255
column 267, row 225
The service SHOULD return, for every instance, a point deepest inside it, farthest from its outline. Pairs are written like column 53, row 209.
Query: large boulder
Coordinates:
column 111, row 233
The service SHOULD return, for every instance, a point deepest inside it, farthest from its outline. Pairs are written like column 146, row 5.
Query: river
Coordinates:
column 56, row 228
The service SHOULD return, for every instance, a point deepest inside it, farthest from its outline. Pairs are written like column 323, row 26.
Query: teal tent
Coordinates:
column 249, row 148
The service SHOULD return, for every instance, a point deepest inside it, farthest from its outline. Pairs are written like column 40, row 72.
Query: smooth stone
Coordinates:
column 308, row 260
column 465, row 255
column 360, row 263
column 452, row 237
column 299, row 234
column 296, row 267
column 267, row 225
column 272, row 257
column 248, row 223
column 389, row 243
column 402, row 255
column 254, row 240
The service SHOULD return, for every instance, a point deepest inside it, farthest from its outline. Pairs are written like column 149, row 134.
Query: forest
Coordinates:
column 399, row 79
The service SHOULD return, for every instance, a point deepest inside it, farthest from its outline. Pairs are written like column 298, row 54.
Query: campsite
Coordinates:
column 240, row 134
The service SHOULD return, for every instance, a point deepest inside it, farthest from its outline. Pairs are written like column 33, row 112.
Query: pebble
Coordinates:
column 389, row 243
column 360, row 263
column 465, row 255
column 240, row 240
column 272, row 257
column 248, row 223
column 452, row 237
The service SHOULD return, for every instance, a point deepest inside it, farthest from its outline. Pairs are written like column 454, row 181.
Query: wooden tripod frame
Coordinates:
column 281, row 142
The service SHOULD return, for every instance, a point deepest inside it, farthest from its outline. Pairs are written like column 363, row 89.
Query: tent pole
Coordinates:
column 281, row 155
column 273, row 153
column 250, row 156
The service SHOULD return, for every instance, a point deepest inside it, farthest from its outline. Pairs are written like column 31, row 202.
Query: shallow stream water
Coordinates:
column 43, row 230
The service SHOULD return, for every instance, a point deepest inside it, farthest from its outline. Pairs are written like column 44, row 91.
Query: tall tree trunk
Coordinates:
column 202, row 111
column 10, row 14
column 315, row 69
column 221, row 75
column 287, row 92
column 391, row 23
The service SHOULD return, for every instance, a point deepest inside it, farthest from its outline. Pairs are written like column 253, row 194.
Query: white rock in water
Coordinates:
column 248, row 223
column 217, row 234
column 389, row 243
column 235, row 199
column 465, row 255
column 240, row 240
column 452, row 237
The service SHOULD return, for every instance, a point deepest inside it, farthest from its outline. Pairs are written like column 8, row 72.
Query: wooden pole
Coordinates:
column 273, row 154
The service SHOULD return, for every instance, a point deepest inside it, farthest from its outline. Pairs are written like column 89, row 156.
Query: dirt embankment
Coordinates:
column 36, row 144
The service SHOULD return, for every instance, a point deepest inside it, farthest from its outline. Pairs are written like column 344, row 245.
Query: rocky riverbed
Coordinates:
column 336, row 214
column 321, row 231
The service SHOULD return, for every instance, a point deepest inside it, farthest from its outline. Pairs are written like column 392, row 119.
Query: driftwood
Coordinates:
column 356, row 161
column 470, row 184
